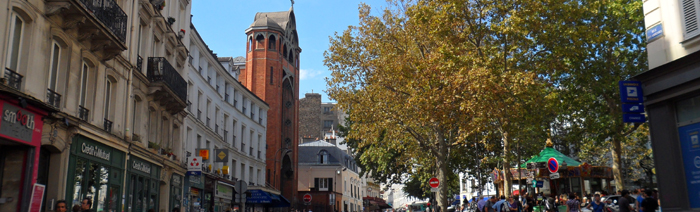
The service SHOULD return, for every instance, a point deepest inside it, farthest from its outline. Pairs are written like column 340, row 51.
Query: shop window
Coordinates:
column 688, row 109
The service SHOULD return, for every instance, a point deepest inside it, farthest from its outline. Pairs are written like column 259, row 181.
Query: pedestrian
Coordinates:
column 499, row 206
column 86, row 204
column 178, row 209
column 513, row 204
column 624, row 202
column 61, row 206
column 649, row 204
column 488, row 207
column 640, row 198
column 596, row 205
column 480, row 205
column 76, row 208
column 530, row 202
column 573, row 205
column 550, row 204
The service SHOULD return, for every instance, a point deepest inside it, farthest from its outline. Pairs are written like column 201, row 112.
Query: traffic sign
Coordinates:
column 307, row 198
column 434, row 189
column 434, row 182
column 194, row 166
column 554, row 176
column 632, row 108
column 539, row 184
column 553, row 165
column 631, row 92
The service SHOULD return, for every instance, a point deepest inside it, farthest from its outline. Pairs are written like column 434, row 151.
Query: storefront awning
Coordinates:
column 550, row 152
column 258, row 196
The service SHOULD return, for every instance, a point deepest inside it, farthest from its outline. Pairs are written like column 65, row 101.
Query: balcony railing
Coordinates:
column 108, row 125
column 110, row 14
column 53, row 98
column 13, row 79
column 83, row 113
column 160, row 70
column 139, row 63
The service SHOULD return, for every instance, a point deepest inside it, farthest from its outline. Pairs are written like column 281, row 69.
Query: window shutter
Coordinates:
column 330, row 184
column 315, row 184
column 690, row 14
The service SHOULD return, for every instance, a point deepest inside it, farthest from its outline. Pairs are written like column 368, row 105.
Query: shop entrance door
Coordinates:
column 12, row 170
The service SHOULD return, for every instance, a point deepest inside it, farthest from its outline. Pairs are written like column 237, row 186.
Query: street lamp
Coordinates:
column 647, row 164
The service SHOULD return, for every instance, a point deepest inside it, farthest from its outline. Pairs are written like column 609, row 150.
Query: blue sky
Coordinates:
column 222, row 25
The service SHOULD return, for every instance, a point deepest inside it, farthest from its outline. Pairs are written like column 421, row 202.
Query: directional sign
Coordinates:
column 541, row 165
column 631, row 92
column 434, row 182
column 307, row 198
column 632, row 108
column 539, row 184
column 194, row 166
column 553, row 165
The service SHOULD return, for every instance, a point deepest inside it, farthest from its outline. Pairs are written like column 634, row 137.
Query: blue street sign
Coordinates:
column 631, row 92
column 632, row 108
column 655, row 32
column 633, row 118
column 194, row 173
column 539, row 184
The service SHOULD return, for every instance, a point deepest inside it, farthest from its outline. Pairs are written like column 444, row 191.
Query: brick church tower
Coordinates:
column 272, row 73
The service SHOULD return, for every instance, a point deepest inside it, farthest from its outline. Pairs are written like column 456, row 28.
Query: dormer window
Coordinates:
column 323, row 157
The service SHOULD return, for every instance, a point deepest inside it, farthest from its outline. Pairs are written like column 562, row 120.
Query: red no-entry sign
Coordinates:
column 434, row 182
column 307, row 197
column 553, row 165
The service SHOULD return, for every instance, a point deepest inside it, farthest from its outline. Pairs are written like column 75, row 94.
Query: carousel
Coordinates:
column 572, row 175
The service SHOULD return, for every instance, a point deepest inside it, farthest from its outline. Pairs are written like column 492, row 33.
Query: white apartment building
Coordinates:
column 94, row 93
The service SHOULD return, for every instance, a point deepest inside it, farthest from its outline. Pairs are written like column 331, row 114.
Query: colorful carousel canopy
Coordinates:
column 549, row 152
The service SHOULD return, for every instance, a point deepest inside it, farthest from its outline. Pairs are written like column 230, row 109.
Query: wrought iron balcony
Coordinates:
column 13, row 79
column 110, row 14
column 83, row 113
column 139, row 63
column 108, row 125
column 53, row 98
column 160, row 70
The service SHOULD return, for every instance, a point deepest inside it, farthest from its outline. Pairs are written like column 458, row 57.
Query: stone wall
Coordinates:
column 310, row 117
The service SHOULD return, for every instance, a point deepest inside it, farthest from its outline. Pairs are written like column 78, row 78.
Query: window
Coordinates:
column 53, row 68
column 323, row 157
column 327, row 123
column 690, row 18
column 108, row 98
column 326, row 109
column 272, row 74
column 260, row 41
column 271, row 42
column 250, row 44
column 242, row 171
column 83, row 84
column 323, row 184
column 17, row 27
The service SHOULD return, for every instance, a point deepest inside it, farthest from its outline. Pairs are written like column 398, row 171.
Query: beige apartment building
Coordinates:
column 93, row 96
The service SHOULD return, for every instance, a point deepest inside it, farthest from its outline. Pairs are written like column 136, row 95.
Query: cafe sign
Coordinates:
column 141, row 166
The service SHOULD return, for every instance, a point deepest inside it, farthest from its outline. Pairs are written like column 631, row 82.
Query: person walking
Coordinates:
column 512, row 204
column 488, row 207
column 640, row 198
column 649, row 204
column 573, row 205
column 596, row 205
column 61, row 206
column 624, row 202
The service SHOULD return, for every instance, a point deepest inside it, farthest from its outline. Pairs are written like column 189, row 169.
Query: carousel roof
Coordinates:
column 549, row 152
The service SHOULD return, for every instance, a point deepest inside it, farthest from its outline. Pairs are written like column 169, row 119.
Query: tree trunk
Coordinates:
column 616, row 155
column 441, row 164
column 507, row 179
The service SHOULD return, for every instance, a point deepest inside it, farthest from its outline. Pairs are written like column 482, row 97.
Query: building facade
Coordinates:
column 223, row 117
column 271, row 72
column 330, row 176
column 319, row 120
column 671, row 89
column 100, row 86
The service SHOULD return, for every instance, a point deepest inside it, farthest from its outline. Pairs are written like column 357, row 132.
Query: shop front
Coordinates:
column 175, row 191
column 209, row 188
column 95, row 172
column 143, row 185
column 20, row 144
column 223, row 197
column 194, row 201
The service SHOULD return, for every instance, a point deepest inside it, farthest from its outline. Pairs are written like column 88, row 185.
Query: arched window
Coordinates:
column 323, row 157
column 284, row 50
column 83, row 111
column 250, row 44
column 137, row 114
column 260, row 41
column 15, row 44
column 291, row 57
column 272, row 43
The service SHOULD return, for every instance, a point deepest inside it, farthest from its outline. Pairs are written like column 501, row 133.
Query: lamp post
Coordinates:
column 647, row 164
